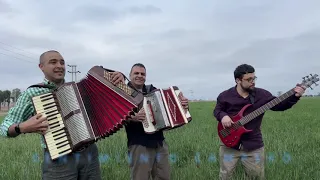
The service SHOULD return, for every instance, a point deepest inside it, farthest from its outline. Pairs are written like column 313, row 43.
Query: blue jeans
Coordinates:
column 83, row 165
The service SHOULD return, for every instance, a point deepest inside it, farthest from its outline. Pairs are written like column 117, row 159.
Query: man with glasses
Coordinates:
column 230, row 102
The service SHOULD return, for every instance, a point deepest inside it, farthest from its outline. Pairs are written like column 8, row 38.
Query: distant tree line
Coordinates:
column 305, row 95
column 6, row 96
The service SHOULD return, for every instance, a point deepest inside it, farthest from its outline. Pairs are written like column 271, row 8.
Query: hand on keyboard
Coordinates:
column 139, row 117
column 184, row 101
column 117, row 77
column 36, row 124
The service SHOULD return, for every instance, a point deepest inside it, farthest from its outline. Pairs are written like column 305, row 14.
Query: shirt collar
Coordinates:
column 235, row 92
column 51, row 84
column 144, row 89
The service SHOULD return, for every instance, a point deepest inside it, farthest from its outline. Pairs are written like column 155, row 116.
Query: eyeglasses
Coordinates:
column 250, row 80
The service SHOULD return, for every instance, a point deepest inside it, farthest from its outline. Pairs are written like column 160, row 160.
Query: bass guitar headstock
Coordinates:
column 309, row 80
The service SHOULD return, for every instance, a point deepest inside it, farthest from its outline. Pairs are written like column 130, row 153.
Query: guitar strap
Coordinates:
column 252, row 96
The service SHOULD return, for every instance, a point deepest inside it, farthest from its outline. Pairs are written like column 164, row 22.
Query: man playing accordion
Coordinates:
column 142, row 145
column 83, row 164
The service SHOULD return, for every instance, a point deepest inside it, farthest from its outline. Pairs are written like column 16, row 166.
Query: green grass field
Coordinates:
column 292, row 140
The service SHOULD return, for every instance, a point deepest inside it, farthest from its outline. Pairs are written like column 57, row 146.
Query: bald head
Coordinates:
column 43, row 55
column 52, row 65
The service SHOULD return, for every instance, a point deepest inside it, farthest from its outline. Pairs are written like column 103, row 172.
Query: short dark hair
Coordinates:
column 242, row 70
column 139, row 65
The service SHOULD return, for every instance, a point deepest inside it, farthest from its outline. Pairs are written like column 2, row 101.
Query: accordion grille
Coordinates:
column 76, row 125
column 67, row 100
column 78, row 131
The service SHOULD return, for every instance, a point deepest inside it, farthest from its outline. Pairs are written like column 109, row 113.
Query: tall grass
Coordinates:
column 291, row 138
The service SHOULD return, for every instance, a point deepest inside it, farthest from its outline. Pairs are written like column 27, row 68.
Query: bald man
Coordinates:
column 83, row 164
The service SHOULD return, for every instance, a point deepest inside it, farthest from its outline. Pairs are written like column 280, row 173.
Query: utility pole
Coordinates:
column 74, row 71
column 191, row 92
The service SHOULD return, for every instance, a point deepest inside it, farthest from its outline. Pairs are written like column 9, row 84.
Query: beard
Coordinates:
column 247, row 89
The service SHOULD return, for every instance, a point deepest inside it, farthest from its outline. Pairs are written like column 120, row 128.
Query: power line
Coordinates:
column 17, row 58
column 74, row 71
column 18, row 48
column 16, row 53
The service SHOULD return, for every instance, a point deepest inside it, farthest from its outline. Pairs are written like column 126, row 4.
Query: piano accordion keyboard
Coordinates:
column 56, row 136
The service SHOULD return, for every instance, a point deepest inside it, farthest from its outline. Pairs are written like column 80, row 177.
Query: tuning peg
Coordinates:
column 311, row 75
column 306, row 77
column 316, row 84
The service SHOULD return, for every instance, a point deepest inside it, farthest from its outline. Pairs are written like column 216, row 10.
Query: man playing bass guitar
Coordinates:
column 230, row 102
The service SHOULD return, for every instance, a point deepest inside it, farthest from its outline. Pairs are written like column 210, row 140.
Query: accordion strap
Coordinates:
column 149, row 88
column 40, row 85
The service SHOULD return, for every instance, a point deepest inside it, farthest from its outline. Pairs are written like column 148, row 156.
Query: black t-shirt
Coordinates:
column 135, row 131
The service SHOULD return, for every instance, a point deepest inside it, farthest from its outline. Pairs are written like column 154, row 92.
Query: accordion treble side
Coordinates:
column 164, row 110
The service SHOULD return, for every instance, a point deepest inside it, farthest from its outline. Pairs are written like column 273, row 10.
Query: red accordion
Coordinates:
column 164, row 110
column 82, row 113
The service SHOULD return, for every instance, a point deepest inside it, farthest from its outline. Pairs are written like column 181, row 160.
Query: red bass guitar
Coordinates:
column 230, row 136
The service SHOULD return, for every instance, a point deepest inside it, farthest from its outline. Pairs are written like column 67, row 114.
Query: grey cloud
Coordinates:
column 174, row 33
column 20, row 69
column 203, row 60
column 20, row 40
column 181, row 61
column 99, row 13
column 275, row 59
column 263, row 19
column 180, row 35
column 95, row 13
column 20, row 62
column 291, row 51
column 210, row 64
column 177, row 59
column 148, row 9
column 18, row 73
column 4, row 7
column 280, row 62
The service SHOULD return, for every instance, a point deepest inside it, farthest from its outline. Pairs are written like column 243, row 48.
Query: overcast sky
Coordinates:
column 193, row 44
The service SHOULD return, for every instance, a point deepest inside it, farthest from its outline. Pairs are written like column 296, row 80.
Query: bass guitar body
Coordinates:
column 230, row 136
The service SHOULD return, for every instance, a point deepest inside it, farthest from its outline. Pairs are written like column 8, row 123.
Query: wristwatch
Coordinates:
column 17, row 129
